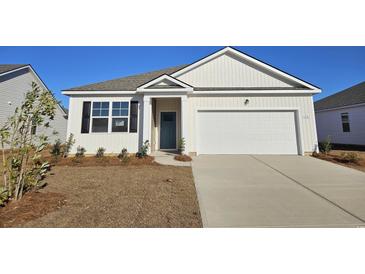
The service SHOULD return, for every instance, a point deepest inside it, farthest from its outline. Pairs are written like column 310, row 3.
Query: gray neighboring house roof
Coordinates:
column 129, row 82
column 9, row 67
column 350, row 96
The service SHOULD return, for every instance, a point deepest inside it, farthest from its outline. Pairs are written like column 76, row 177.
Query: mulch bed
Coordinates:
column 32, row 206
column 129, row 195
column 334, row 157
column 103, row 161
column 183, row 158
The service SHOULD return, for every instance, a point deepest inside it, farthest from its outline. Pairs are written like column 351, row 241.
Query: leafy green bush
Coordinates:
column 100, row 152
column 22, row 167
column 4, row 195
column 143, row 152
column 349, row 157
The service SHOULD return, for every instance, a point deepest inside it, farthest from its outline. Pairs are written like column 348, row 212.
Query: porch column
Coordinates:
column 147, row 120
column 185, row 122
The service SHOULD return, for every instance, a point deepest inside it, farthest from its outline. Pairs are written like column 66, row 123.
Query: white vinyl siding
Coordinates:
column 304, row 105
column 246, row 132
column 227, row 71
column 113, row 142
column 329, row 123
column 13, row 90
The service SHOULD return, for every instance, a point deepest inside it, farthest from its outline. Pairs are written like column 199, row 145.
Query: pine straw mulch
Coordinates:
column 32, row 206
column 335, row 157
column 109, row 193
column 102, row 161
column 183, row 158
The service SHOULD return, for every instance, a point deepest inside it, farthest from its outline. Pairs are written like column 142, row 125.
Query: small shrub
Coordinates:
column 56, row 149
column 143, row 152
column 100, row 152
column 68, row 145
column 349, row 157
column 326, row 146
column 80, row 152
column 181, row 145
column 123, row 155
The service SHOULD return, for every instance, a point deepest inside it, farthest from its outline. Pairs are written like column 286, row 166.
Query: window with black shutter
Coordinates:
column 133, row 123
column 85, row 122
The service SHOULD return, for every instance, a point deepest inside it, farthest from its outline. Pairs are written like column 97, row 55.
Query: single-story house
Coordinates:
column 225, row 103
column 341, row 116
column 15, row 82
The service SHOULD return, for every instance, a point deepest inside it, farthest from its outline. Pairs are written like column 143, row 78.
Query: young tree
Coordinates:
column 22, row 167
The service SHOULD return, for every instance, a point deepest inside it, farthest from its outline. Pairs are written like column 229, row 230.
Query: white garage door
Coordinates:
column 246, row 132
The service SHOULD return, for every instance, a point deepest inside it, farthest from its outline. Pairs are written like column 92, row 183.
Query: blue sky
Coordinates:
column 331, row 68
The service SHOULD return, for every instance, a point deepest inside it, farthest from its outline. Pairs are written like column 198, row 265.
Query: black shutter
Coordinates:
column 133, row 117
column 85, row 122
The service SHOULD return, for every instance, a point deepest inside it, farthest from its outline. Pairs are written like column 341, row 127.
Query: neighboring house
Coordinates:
column 15, row 82
column 225, row 103
column 341, row 116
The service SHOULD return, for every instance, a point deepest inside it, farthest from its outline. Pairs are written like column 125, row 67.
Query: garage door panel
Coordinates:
column 246, row 132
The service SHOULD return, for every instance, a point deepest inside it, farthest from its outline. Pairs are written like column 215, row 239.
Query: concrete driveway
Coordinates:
column 278, row 191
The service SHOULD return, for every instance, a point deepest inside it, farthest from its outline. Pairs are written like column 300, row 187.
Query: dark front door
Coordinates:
column 168, row 130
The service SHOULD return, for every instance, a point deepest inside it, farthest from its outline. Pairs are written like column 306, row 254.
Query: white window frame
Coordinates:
column 348, row 121
column 96, row 117
column 111, row 115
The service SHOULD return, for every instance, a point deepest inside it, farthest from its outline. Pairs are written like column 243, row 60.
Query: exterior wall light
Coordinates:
column 247, row 101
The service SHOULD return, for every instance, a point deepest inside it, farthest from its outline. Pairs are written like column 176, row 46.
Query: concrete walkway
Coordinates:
column 278, row 191
column 167, row 158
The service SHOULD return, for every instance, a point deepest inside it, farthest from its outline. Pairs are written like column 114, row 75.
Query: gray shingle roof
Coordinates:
column 350, row 96
column 127, row 83
column 9, row 67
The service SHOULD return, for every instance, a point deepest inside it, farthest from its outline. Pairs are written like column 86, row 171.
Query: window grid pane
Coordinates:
column 120, row 109
column 345, row 122
column 100, row 109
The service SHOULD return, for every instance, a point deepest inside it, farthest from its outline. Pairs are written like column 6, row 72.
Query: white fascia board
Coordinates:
column 98, row 92
column 183, row 85
column 227, row 92
column 250, row 59
column 166, row 90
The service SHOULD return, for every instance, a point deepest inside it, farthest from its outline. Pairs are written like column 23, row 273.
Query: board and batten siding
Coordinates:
column 113, row 142
column 329, row 123
column 13, row 87
column 304, row 104
column 227, row 71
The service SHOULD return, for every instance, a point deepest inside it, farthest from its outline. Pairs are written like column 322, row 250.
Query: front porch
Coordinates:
column 165, row 122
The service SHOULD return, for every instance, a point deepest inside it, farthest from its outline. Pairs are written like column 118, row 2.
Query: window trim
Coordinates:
column 127, row 116
column 110, row 117
column 99, row 117
column 348, row 122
